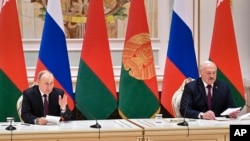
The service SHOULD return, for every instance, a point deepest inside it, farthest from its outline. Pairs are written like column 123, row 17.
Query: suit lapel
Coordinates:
column 202, row 90
column 40, row 102
column 215, row 94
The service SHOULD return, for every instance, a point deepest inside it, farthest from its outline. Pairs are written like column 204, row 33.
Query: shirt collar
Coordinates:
column 205, row 84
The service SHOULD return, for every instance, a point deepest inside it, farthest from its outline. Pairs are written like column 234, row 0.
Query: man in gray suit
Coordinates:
column 33, row 110
column 195, row 102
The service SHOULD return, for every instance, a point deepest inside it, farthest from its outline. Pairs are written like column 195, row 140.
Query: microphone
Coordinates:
column 184, row 122
column 96, row 125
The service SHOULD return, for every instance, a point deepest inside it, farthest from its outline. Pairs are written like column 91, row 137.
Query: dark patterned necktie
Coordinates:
column 45, row 105
column 209, row 96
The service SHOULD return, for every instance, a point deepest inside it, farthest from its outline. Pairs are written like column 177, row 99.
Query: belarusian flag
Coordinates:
column 53, row 54
column 180, row 60
column 95, row 88
column 224, row 52
column 13, row 77
column 138, row 89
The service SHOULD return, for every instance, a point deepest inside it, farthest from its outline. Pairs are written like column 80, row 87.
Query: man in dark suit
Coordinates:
column 195, row 101
column 33, row 110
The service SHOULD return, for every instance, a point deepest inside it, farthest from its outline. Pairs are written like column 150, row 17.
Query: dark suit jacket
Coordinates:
column 32, row 105
column 194, row 99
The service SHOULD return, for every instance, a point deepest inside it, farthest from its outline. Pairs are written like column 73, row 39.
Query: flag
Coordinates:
column 53, row 54
column 181, row 60
column 95, row 88
column 13, row 76
column 223, row 51
column 138, row 89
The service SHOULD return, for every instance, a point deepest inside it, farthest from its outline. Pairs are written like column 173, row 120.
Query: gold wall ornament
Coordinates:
column 75, row 14
column 138, row 57
column 32, row 14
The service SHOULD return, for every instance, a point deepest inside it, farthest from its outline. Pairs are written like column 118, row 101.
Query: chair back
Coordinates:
column 176, row 99
column 19, row 106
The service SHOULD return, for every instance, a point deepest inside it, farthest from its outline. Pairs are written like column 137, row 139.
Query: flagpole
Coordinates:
column 198, row 32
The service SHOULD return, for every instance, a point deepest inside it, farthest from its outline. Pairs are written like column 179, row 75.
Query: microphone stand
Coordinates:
column 96, row 125
column 184, row 122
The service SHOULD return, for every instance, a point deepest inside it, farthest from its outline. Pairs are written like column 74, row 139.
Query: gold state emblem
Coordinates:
column 138, row 57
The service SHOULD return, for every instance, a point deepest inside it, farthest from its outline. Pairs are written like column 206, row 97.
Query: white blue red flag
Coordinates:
column 53, row 54
column 181, row 60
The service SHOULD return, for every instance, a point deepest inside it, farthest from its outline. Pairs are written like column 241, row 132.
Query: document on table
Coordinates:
column 245, row 116
column 222, row 118
column 229, row 111
column 53, row 119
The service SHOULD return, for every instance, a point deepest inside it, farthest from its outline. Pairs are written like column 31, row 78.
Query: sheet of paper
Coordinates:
column 229, row 111
column 245, row 116
column 222, row 118
column 53, row 119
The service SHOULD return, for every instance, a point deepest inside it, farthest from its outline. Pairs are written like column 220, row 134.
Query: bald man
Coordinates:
column 195, row 103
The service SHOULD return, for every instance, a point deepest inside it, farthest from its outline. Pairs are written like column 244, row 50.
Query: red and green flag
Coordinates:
column 95, row 94
column 224, row 51
column 138, row 89
column 13, row 76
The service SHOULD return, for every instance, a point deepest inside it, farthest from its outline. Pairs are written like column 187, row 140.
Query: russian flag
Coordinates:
column 53, row 54
column 181, row 60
